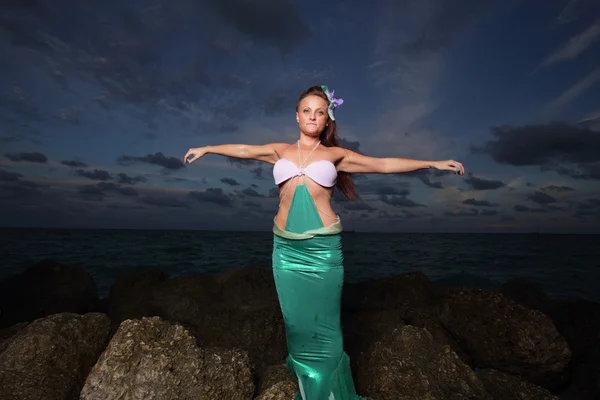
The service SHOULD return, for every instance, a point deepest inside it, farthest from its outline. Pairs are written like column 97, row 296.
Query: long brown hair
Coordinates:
column 329, row 138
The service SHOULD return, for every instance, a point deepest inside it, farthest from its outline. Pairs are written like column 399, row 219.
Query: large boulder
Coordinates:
column 408, row 364
column 503, row 386
column 501, row 334
column 153, row 359
column 50, row 357
column 44, row 289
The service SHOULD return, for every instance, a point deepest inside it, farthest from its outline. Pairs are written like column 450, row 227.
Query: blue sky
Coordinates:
column 99, row 103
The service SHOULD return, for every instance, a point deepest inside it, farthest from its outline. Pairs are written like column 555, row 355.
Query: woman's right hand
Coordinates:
column 193, row 154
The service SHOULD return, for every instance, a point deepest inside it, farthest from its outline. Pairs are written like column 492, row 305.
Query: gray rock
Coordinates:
column 44, row 289
column 503, row 386
column 408, row 364
column 50, row 357
column 501, row 334
column 153, row 359
column 278, row 383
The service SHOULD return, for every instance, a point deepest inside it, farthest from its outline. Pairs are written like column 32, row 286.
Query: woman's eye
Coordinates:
column 305, row 111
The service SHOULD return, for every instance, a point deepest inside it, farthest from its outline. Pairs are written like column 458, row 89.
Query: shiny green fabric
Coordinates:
column 309, row 274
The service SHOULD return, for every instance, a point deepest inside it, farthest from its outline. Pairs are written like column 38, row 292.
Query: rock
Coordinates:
column 44, row 289
column 153, row 359
column 249, row 287
column 527, row 293
column 501, row 334
column 403, row 293
column 579, row 323
column 131, row 294
column 408, row 364
column 184, row 299
column 50, row 357
column 238, row 310
column 278, row 383
column 503, row 386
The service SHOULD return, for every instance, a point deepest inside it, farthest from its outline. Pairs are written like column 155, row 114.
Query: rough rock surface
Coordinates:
column 408, row 364
column 152, row 359
column 46, row 288
column 503, row 386
column 50, row 357
column 501, row 334
column 278, row 383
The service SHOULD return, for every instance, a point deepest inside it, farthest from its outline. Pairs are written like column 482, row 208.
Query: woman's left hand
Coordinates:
column 450, row 165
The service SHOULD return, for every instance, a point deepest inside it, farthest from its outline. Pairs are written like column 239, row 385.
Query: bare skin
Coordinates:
column 312, row 118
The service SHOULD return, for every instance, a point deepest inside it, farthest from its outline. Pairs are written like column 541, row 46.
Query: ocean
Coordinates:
column 565, row 266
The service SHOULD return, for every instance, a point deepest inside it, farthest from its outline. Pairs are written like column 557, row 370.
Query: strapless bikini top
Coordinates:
column 323, row 172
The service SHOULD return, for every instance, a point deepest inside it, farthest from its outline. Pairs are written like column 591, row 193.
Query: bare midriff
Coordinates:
column 321, row 197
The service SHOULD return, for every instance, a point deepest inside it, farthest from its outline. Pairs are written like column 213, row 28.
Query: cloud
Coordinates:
column 74, row 163
column 96, row 174
column 541, row 198
column 9, row 176
column 230, row 181
column 574, row 47
column 399, row 201
column 34, row 157
column 483, row 184
column 576, row 90
column 478, row 203
column 98, row 191
column 168, row 163
column 524, row 209
column 558, row 189
column 278, row 23
column 212, row 195
column 164, row 201
column 129, row 180
column 566, row 149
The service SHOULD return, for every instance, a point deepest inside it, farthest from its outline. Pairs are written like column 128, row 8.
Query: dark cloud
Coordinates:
column 478, row 203
column 399, row 201
column 98, row 191
column 96, row 174
column 448, row 19
column 588, row 208
column 241, row 162
column 558, row 189
column 524, row 209
column 272, row 22
column 567, row 149
column 9, row 176
column 169, row 163
column 164, row 201
column 541, row 198
column 74, row 164
column 348, row 144
column 230, row 181
column 259, row 173
column 212, row 195
column 472, row 212
column 392, row 190
column 34, row 157
column 129, row 180
column 19, row 189
column 251, row 193
column 128, row 51
column 483, row 184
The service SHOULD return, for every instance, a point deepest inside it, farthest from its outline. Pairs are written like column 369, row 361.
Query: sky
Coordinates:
column 99, row 102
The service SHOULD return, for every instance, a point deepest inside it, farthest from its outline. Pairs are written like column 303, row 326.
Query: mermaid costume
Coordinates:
column 309, row 273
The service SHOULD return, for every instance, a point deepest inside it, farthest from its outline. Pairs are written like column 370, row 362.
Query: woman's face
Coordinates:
column 312, row 115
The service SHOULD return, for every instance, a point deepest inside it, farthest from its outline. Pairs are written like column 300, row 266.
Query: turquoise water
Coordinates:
column 566, row 266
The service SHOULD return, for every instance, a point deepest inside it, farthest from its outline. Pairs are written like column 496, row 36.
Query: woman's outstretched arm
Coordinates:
column 353, row 162
column 266, row 152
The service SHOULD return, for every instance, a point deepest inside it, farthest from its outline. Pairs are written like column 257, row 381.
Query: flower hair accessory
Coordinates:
column 333, row 102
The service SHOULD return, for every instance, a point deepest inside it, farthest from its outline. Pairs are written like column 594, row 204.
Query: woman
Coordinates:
column 307, row 252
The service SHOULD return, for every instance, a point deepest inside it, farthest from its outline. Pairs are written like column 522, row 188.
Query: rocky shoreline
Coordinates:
column 203, row 337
